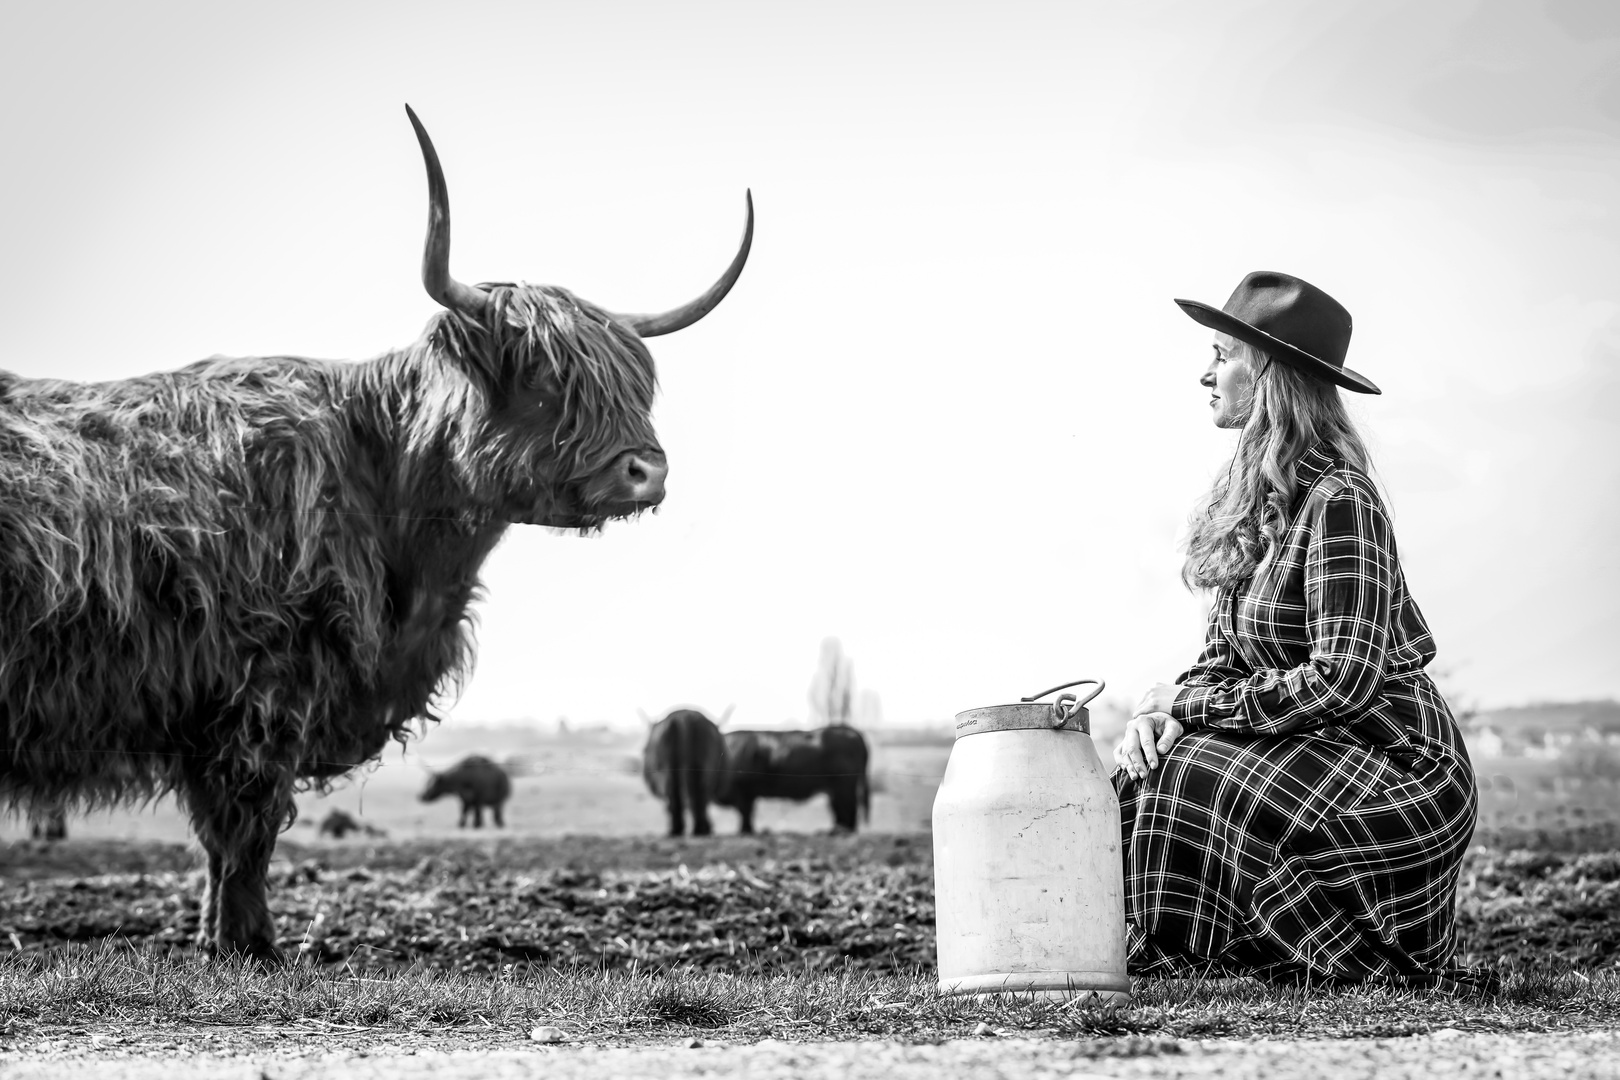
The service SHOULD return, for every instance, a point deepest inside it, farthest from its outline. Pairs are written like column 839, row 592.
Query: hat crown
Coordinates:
column 1294, row 312
column 1289, row 320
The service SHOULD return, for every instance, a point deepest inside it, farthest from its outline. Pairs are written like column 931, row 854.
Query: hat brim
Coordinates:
column 1278, row 349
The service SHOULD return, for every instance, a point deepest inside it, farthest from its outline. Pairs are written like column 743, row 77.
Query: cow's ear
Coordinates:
column 477, row 346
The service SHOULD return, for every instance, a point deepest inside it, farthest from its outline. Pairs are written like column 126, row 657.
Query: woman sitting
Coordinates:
column 1296, row 805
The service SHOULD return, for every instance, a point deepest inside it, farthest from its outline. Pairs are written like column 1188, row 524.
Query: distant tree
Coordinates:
column 870, row 710
column 832, row 691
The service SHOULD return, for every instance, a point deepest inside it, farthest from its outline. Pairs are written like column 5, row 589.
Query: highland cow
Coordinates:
column 242, row 578
column 798, row 765
column 684, row 764
column 47, row 823
column 340, row 823
column 478, row 782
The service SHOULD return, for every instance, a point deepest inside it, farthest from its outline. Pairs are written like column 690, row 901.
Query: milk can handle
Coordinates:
column 1067, row 705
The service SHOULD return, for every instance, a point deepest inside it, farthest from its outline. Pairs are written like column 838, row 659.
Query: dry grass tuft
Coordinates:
column 692, row 1008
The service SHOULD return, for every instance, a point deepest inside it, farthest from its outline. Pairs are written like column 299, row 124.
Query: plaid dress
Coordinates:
column 1311, row 821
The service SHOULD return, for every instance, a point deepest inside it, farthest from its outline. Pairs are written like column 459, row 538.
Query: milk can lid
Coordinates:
column 1031, row 715
column 1067, row 713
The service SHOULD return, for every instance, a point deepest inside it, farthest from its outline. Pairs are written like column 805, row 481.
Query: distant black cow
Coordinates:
column 478, row 782
column 339, row 823
column 684, row 764
column 797, row 765
column 47, row 824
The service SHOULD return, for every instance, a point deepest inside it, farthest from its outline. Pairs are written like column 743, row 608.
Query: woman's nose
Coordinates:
column 1207, row 379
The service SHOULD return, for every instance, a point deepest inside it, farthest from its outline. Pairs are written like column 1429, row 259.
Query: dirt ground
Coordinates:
column 270, row 1054
column 770, row 903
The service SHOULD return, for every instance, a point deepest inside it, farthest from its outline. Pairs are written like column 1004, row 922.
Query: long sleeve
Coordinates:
column 1215, row 666
column 1349, row 578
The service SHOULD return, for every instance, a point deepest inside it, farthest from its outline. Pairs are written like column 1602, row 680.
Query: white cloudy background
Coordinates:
column 950, row 414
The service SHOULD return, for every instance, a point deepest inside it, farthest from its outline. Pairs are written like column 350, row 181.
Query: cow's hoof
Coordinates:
column 259, row 954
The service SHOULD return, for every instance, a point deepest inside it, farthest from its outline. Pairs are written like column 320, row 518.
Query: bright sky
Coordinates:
column 950, row 414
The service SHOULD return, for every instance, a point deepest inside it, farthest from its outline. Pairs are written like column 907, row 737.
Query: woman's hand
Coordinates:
column 1147, row 736
column 1160, row 698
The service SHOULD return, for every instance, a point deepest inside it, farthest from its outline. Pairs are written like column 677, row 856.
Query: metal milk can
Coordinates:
column 1029, row 889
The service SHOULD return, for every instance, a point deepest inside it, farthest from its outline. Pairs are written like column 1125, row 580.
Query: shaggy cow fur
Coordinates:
column 246, row 576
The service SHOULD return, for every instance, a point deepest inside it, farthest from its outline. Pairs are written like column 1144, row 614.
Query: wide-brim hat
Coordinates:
column 1290, row 320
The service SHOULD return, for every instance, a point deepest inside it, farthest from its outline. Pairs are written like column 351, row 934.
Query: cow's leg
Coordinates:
column 844, row 805
column 237, row 824
column 461, row 818
column 698, row 797
column 676, row 803
column 745, row 810
column 245, row 926
column 500, row 819
column 478, row 815
column 208, row 912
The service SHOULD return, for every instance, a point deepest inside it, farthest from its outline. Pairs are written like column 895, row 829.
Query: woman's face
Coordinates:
column 1231, row 383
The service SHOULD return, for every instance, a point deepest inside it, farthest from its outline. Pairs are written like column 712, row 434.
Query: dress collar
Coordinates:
column 1312, row 464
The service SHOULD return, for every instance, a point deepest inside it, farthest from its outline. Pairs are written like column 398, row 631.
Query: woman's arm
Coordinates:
column 1349, row 581
column 1152, row 731
column 1215, row 666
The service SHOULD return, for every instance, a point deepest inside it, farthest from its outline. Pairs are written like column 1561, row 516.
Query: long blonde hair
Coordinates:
column 1241, row 522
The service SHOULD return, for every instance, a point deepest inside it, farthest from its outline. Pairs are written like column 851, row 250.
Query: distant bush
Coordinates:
column 1589, row 760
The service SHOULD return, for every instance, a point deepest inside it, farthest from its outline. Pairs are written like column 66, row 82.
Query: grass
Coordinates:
column 113, row 988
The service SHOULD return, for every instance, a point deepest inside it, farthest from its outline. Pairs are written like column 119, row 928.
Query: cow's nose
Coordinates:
column 642, row 475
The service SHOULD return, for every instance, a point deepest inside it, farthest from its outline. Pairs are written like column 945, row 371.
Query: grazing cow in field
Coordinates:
column 47, row 824
column 240, row 579
column 340, row 823
column 797, row 765
column 684, row 764
column 478, row 782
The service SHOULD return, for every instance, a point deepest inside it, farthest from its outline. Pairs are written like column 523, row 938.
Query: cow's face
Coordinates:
column 568, row 439
column 435, row 789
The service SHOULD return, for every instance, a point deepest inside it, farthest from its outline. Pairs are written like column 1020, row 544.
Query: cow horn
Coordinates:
column 726, row 715
column 680, row 318
column 436, row 252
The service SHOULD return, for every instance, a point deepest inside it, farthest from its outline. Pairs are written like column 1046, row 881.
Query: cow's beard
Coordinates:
column 584, row 503
column 568, row 508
